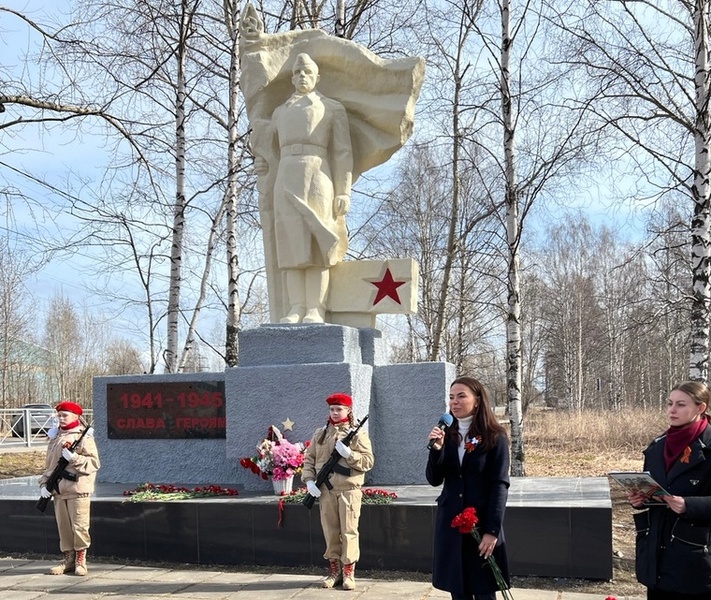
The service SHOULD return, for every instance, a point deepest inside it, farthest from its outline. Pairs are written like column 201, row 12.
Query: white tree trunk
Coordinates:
column 701, row 222
column 176, row 251
column 232, row 16
column 340, row 18
column 513, row 320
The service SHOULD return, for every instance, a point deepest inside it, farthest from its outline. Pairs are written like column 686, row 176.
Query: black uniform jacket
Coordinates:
column 481, row 481
column 672, row 549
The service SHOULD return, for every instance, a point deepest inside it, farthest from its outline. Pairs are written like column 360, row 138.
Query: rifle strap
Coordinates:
column 341, row 470
column 68, row 476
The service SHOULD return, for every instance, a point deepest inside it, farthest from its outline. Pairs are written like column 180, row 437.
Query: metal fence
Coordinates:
column 28, row 426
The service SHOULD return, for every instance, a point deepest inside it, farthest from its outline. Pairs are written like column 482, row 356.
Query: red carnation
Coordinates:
column 466, row 520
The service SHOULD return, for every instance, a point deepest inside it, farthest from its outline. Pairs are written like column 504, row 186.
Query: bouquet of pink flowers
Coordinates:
column 276, row 457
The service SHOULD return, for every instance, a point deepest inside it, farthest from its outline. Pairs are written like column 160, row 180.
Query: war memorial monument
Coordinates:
column 322, row 111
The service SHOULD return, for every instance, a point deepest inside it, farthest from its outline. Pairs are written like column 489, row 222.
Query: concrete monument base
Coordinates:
column 285, row 374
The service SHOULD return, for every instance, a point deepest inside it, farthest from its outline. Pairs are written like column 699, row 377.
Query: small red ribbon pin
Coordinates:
column 685, row 457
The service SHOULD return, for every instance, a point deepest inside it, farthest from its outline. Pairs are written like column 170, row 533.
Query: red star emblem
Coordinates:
column 387, row 287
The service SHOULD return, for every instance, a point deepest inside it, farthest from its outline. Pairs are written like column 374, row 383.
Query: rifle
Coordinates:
column 327, row 469
column 60, row 471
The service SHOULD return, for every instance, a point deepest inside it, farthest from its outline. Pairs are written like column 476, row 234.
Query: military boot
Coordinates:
column 80, row 568
column 66, row 566
column 334, row 576
column 349, row 576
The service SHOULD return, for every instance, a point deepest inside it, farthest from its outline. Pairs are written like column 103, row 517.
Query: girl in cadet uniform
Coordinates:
column 340, row 506
column 72, row 501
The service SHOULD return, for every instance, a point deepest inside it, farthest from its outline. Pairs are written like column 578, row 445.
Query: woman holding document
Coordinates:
column 674, row 536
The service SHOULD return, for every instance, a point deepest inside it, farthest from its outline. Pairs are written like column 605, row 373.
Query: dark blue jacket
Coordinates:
column 673, row 550
column 481, row 481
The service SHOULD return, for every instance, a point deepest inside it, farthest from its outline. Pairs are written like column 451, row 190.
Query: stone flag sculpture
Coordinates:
column 323, row 110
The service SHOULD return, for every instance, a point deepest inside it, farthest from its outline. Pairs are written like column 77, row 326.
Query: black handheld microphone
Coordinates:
column 445, row 421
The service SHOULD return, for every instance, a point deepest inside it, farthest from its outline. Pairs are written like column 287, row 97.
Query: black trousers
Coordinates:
column 491, row 596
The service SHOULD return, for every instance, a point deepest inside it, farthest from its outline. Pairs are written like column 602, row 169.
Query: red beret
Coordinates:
column 341, row 399
column 71, row 407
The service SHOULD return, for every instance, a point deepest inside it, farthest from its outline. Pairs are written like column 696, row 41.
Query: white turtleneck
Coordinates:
column 464, row 423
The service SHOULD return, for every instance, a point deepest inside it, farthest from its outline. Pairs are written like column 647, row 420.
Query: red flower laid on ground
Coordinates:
column 163, row 492
column 370, row 496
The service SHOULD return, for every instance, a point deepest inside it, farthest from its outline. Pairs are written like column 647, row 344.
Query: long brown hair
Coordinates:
column 484, row 423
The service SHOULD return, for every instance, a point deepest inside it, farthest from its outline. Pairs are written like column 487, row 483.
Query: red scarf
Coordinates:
column 70, row 425
column 344, row 420
column 680, row 438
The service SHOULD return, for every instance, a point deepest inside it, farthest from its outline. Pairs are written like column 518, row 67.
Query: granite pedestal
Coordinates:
column 285, row 374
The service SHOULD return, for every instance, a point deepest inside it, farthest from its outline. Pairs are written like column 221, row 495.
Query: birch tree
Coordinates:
column 184, row 26
column 232, row 13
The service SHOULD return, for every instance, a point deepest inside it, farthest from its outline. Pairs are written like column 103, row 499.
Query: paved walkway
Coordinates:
column 27, row 580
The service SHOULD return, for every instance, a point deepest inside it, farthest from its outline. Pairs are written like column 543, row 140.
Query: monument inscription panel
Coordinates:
column 166, row 410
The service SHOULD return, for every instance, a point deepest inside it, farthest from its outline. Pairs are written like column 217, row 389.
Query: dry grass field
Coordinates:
column 558, row 444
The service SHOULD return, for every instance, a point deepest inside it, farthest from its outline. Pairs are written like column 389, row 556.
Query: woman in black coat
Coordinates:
column 674, row 533
column 471, row 458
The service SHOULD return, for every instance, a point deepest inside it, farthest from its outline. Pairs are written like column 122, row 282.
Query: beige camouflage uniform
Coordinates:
column 340, row 507
column 72, row 504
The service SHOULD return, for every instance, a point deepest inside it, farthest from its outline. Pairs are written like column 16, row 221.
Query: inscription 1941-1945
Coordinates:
column 168, row 410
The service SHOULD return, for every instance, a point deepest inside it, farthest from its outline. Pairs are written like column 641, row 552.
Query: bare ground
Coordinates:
column 539, row 463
